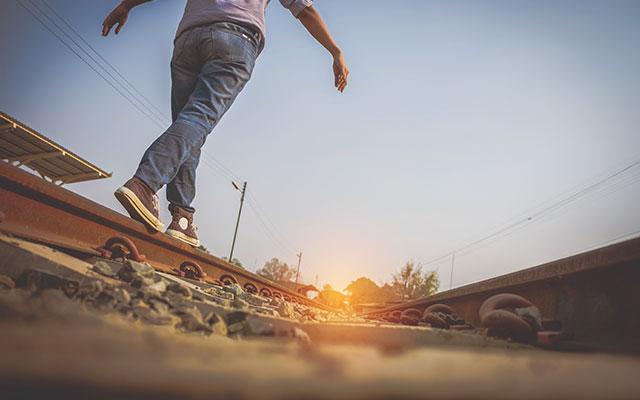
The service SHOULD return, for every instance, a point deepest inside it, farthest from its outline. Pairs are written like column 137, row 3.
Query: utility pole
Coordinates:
column 453, row 261
column 298, row 270
column 235, row 234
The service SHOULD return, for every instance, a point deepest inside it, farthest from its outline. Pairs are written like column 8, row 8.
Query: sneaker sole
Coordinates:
column 182, row 237
column 136, row 209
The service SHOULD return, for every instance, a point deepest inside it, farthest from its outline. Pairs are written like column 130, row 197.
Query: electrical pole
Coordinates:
column 453, row 261
column 298, row 270
column 235, row 234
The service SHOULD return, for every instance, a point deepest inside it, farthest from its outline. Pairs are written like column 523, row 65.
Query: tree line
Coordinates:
column 410, row 282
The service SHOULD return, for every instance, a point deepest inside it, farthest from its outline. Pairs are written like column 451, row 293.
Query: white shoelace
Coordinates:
column 155, row 203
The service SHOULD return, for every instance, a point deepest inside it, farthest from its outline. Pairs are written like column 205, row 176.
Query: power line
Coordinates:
column 550, row 217
column 82, row 59
column 159, row 122
column 617, row 239
column 275, row 229
column 533, row 216
column 131, row 85
column 269, row 226
column 524, row 216
column 268, row 231
column 628, row 236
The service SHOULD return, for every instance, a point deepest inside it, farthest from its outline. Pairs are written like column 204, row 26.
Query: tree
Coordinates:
column 277, row 270
column 387, row 293
column 331, row 297
column 411, row 283
column 363, row 290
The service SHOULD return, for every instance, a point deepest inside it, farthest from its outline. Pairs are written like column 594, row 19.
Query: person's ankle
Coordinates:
column 145, row 184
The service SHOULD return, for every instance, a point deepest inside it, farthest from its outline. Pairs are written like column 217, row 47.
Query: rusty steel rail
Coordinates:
column 37, row 210
column 594, row 295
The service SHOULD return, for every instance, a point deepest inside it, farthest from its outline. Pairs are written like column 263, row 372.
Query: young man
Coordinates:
column 215, row 49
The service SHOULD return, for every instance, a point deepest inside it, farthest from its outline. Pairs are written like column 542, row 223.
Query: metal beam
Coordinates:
column 27, row 158
column 79, row 177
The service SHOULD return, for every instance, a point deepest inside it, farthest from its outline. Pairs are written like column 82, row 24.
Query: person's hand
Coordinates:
column 118, row 16
column 340, row 72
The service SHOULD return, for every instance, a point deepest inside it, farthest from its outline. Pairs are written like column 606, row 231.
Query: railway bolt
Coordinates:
column 508, row 315
column 410, row 316
column 441, row 308
column 435, row 321
column 441, row 316
column 394, row 316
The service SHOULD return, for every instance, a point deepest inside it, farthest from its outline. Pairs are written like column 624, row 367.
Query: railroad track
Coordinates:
column 594, row 296
column 34, row 209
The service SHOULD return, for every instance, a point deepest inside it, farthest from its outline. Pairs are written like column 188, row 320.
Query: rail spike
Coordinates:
column 508, row 315
column 121, row 247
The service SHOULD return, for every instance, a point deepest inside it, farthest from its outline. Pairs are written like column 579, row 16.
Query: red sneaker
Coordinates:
column 182, row 227
column 140, row 202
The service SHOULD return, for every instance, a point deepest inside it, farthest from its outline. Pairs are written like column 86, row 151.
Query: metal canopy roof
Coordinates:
column 21, row 145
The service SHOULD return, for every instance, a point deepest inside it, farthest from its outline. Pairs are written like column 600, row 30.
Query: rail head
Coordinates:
column 610, row 256
column 38, row 208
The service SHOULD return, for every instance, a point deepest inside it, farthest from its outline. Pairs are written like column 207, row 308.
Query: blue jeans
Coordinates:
column 210, row 65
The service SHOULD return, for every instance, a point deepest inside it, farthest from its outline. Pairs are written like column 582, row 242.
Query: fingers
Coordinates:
column 121, row 23
column 106, row 27
column 341, row 80
column 341, row 86
column 117, row 16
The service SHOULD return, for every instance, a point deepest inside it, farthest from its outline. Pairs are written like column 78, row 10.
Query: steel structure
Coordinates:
column 21, row 145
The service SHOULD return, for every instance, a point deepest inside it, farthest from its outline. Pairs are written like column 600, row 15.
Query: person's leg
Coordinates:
column 138, row 194
column 222, row 60
column 183, row 83
column 228, row 62
column 182, row 189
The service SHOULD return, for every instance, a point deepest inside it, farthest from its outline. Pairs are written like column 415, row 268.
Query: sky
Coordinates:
column 460, row 118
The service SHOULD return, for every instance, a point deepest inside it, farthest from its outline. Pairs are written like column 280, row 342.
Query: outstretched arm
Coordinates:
column 119, row 15
column 314, row 23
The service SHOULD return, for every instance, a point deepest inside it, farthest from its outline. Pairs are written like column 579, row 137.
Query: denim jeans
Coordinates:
column 210, row 65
